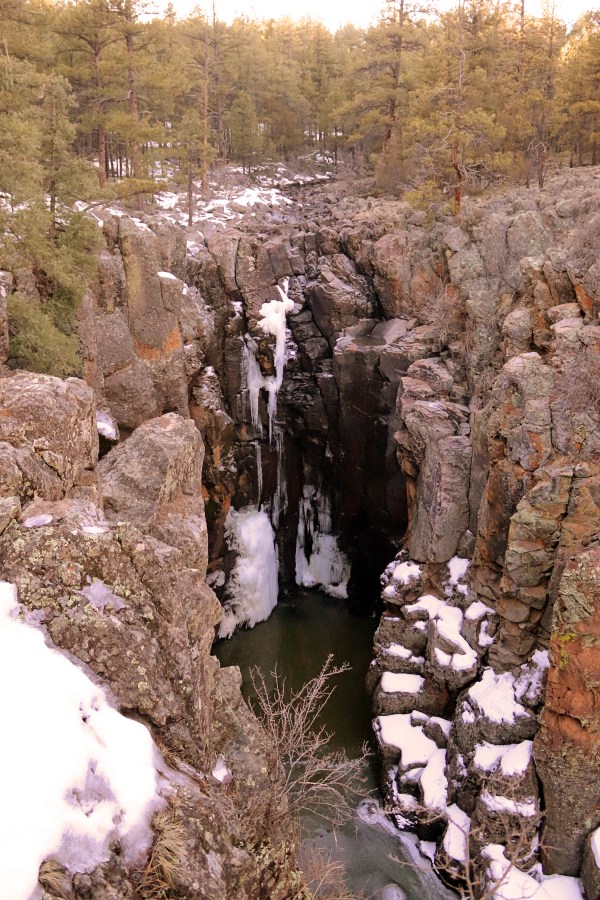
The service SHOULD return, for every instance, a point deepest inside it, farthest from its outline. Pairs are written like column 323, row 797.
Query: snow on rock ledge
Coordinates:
column 506, row 882
column 75, row 774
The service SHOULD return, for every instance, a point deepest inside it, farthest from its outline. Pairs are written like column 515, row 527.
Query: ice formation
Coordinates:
column 272, row 322
column 74, row 773
column 319, row 560
column 259, row 471
column 252, row 586
column 279, row 504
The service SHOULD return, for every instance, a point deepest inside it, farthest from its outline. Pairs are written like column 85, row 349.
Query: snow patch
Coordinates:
column 595, row 843
column 106, row 426
column 456, row 839
column 75, row 775
column 498, row 803
column 434, row 783
column 100, row 596
column 447, row 622
column 405, row 572
column 221, row 772
column 457, row 569
column 495, row 696
column 506, row 882
column 416, row 750
column 530, row 683
column 513, row 758
column 476, row 611
column 401, row 652
column 38, row 521
column 395, row 683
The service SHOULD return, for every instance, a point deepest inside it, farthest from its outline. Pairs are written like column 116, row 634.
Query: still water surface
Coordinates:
column 302, row 631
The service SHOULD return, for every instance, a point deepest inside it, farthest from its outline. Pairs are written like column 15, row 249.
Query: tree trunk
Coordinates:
column 190, row 188
column 205, row 116
column 134, row 111
column 459, row 180
column 101, row 155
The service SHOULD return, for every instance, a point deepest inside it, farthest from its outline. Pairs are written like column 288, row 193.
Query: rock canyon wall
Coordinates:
column 434, row 413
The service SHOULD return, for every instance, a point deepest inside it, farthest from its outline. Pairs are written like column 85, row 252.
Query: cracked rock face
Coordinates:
column 439, row 391
column 116, row 582
column 570, row 719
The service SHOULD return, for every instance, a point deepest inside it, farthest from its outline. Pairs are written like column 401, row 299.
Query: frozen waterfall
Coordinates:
column 319, row 560
column 272, row 322
column 252, row 586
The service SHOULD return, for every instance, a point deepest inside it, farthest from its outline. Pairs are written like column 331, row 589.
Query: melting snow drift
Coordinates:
column 74, row 773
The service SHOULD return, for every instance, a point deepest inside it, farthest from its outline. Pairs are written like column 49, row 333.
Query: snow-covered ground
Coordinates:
column 235, row 194
column 74, row 773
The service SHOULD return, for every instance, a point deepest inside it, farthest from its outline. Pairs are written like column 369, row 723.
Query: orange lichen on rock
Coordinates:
column 171, row 343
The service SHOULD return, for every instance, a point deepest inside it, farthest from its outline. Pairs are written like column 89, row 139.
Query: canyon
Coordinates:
column 343, row 392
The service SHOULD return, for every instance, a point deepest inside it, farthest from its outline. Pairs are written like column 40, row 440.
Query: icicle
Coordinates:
column 319, row 560
column 259, row 472
column 272, row 322
column 254, row 380
column 280, row 496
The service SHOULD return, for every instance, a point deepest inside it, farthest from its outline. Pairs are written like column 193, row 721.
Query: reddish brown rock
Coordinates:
column 567, row 747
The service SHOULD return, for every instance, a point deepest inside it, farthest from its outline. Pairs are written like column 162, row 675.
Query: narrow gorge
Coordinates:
column 338, row 393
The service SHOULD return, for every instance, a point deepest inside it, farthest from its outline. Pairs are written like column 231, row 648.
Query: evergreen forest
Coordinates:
column 103, row 100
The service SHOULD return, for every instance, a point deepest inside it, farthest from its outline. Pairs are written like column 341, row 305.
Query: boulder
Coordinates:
column 153, row 480
column 51, row 425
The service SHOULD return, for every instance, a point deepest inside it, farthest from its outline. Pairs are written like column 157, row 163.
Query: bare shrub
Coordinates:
column 307, row 777
column 55, row 881
column 447, row 315
column 325, row 876
column 159, row 872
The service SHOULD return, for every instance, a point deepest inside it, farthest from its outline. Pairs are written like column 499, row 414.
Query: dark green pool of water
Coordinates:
column 302, row 631
column 297, row 639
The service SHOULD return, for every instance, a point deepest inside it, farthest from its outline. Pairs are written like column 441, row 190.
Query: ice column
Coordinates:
column 259, row 471
column 319, row 560
column 252, row 586
column 272, row 322
column 280, row 498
